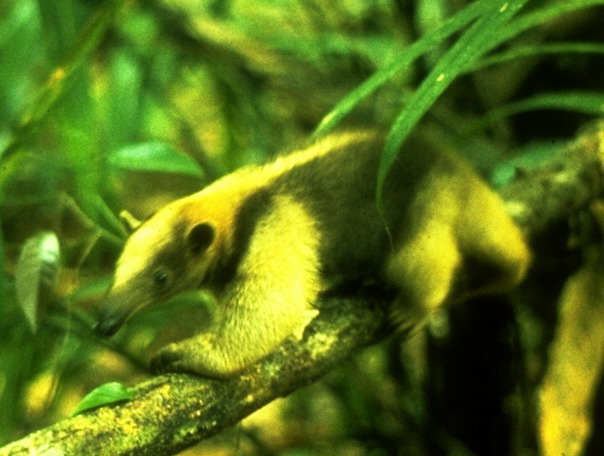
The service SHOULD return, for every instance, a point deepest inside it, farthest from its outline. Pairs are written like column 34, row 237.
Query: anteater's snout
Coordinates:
column 113, row 314
column 107, row 327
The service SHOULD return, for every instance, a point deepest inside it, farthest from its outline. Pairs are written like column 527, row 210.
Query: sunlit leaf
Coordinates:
column 36, row 275
column 540, row 49
column 591, row 103
column 154, row 157
column 109, row 393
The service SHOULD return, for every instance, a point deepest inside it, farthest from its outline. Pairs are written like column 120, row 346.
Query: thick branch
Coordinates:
column 171, row 412
column 561, row 185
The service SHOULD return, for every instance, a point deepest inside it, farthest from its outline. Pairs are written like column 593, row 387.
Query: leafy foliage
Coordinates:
column 126, row 105
column 36, row 274
column 109, row 393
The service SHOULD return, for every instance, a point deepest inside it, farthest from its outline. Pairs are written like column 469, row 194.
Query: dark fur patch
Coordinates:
column 339, row 189
column 246, row 219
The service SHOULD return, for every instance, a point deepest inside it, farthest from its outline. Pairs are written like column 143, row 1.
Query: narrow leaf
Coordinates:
column 540, row 50
column 425, row 44
column 474, row 43
column 543, row 15
column 585, row 102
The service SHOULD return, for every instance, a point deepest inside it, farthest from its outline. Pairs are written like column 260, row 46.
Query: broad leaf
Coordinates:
column 109, row 393
column 36, row 274
column 154, row 157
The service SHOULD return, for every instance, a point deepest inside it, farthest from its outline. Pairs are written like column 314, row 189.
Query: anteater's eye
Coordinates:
column 160, row 278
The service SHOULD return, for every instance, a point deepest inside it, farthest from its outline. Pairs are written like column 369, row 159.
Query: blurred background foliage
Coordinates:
column 111, row 105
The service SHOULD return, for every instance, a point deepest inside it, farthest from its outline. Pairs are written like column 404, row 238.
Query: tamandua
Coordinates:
column 267, row 240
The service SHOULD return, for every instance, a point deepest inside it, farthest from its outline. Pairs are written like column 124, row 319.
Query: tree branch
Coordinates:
column 561, row 185
column 171, row 412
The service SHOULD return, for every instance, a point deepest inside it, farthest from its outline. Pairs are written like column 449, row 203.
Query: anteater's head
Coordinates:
column 166, row 255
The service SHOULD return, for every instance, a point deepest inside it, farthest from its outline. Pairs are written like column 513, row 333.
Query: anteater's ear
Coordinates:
column 129, row 221
column 200, row 237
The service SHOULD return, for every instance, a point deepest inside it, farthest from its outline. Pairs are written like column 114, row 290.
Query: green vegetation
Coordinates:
column 129, row 104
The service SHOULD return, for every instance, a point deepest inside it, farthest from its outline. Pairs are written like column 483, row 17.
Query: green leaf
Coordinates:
column 124, row 100
column 426, row 44
column 543, row 15
column 36, row 274
column 109, row 393
column 3, row 278
column 480, row 38
column 526, row 157
column 538, row 50
column 96, row 209
column 63, row 75
column 585, row 102
column 154, row 157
